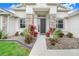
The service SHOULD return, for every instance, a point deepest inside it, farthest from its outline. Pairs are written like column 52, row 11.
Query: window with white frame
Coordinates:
column 59, row 23
column 22, row 23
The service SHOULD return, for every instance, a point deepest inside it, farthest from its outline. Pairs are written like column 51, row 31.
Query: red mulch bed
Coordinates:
column 64, row 43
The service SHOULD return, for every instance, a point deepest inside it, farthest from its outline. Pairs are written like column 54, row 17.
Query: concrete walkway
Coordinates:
column 40, row 49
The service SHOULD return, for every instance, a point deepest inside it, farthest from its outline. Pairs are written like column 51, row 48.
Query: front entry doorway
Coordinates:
column 42, row 25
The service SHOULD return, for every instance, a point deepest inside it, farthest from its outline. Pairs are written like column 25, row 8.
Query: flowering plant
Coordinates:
column 35, row 34
column 32, row 30
column 32, row 27
column 50, row 32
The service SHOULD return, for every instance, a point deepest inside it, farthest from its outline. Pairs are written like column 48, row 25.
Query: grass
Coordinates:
column 9, row 48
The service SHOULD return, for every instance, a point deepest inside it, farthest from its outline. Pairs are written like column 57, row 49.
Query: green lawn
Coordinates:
column 9, row 48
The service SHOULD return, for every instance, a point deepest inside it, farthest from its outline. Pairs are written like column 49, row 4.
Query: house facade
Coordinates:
column 8, row 21
column 42, row 15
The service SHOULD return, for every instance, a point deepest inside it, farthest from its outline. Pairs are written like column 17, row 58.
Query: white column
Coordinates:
column 36, row 22
column 29, row 15
column 52, row 14
column 29, row 10
column 53, row 10
column 47, row 23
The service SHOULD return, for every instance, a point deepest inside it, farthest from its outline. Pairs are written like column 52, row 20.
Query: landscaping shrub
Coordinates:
column 28, row 39
column 58, row 33
column 26, row 32
column 32, row 30
column 21, row 33
column 70, row 35
column 32, row 27
column 0, row 34
column 51, row 29
column 17, row 34
column 3, row 35
column 29, row 33
column 28, row 36
column 50, row 32
column 35, row 34
column 54, row 37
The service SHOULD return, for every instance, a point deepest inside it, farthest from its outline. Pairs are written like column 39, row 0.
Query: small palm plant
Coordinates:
column 55, row 36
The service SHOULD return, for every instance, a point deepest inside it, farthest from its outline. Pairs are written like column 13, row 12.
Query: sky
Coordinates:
column 11, row 5
column 7, row 5
column 72, row 5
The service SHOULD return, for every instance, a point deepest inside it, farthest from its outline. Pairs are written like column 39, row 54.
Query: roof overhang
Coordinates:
column 7, row 13
column 73, row 13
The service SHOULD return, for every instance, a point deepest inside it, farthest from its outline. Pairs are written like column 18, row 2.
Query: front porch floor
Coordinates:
column 40, row 49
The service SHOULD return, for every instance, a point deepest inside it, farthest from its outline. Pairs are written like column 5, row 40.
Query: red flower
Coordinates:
column 48, row 34
column 50, row 28
column 32, row 27
column 35, row 34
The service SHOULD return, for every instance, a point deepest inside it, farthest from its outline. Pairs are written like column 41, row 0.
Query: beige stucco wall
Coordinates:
column 62, row 14
column 72, row 25
column 21, row 13
column 30, row 8
column 13, row 25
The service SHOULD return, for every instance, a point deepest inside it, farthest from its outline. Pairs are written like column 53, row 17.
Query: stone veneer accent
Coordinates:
column 30, row 19
column 52, row 21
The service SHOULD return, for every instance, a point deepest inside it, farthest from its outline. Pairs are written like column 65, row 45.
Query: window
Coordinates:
column 22, row 23
column 59, row 23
